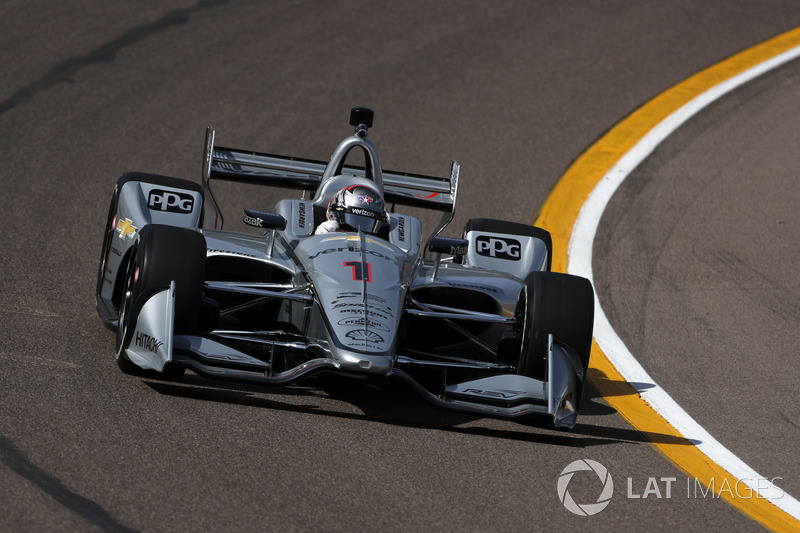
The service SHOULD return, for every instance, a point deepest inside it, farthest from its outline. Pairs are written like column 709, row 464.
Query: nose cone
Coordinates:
column 360, row 286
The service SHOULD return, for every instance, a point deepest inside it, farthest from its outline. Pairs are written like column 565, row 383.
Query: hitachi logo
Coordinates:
column 147, row 342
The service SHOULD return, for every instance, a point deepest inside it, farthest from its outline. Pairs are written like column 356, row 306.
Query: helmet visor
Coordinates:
column 359, row 219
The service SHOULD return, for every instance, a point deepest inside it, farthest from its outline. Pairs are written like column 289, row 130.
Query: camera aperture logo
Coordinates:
column 585, row 509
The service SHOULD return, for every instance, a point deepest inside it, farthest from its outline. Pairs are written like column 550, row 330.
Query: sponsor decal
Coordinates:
column 147, row 342
column 369, row 337
column 334, row 250
column 126, row 228
column 361, row 321
column 498, row 247
column 379, row 299
column 484, row 288
column 365, row 199
column 232, row 252
column 362, row 212
column 170, row 201
column 116, row 252
column 360, row 312
column 458, row 250
column 251, row 221
column 373, row 297
column 500, row 394
column 359, row 307
column 401, row 229
column 301, row 220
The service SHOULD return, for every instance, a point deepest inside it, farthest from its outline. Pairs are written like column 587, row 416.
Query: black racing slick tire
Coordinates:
column 562, row 305
column 102, row 308
column 161, row 255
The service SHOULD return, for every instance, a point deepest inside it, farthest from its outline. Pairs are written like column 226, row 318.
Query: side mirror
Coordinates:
column 446, row 245
column 269, row 221
column 259, row 219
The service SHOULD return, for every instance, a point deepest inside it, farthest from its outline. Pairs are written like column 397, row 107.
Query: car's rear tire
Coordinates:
column 562, row 305
column 161, row 255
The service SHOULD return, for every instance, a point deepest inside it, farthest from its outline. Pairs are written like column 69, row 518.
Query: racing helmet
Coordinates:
column 358, row 208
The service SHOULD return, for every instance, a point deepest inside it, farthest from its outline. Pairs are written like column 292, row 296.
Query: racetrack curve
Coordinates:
column 694, row 257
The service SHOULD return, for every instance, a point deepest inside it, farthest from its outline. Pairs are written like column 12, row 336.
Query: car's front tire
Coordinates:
column 562, row 305
column 162, row 254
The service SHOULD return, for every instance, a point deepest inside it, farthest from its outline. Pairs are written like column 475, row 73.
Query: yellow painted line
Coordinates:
column 559, row 215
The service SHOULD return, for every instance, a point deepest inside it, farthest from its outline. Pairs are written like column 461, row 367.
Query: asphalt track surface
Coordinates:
column 695, row 255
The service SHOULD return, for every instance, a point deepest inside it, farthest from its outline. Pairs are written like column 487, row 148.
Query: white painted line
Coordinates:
column 579, row 262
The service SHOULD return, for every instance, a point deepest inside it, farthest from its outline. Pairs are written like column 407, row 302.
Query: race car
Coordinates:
column 342, row 283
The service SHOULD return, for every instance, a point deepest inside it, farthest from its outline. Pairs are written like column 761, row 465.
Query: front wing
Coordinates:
column 496, row 394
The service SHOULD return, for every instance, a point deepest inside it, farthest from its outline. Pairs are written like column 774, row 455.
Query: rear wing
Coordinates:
column 229, row 164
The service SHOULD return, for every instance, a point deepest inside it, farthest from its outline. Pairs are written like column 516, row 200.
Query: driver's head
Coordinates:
column 358, row 207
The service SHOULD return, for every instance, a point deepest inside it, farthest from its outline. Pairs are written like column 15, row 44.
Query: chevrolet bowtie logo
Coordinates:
column 126, row 228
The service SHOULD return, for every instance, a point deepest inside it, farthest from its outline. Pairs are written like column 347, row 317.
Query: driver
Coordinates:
column 355, row 208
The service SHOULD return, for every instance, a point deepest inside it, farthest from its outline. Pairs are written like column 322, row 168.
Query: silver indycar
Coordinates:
column 342, row 283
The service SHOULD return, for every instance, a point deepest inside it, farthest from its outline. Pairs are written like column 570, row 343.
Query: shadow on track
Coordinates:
column 398, row 406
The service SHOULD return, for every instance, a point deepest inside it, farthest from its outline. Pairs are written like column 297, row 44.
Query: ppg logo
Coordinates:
column 498, row 247
column 174, row 202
